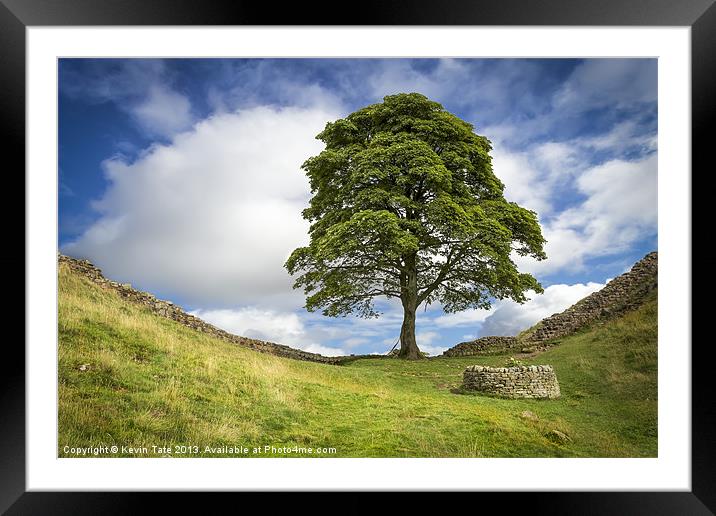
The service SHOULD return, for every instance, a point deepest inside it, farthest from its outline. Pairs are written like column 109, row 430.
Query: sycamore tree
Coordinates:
column 406, row 205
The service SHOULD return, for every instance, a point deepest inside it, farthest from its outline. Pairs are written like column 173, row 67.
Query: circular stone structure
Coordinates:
column 536, row 381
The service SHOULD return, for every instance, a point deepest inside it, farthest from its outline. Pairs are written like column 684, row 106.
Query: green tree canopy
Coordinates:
column 406, row 205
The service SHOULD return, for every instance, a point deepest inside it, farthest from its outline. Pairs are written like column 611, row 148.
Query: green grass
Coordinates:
column 152, row 382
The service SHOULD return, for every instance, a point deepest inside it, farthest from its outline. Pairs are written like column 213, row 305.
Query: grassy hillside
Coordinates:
column 130, row 378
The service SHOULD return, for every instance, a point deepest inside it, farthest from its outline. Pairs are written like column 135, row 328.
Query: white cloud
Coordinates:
column 280, row 327
column 621, row 138
column 163, row 112
column 425, row 340
column 617, row 83
column 479, row 89
column 619, row 209
column 326, row 351
column 522, row 180
column 256, row 323
column 355, row 341
column 433, row 351
column 509, row 318
column 585, row 210
column 212, row 217
column 243, row 85
column 532, row 176
column 398, row 76
column 620, row 192
column 142, row 88
column 464, row 318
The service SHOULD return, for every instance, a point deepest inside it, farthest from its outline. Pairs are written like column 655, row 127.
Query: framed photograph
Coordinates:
column 419, row 252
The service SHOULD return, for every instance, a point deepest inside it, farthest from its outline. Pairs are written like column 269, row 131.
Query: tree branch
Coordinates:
column 453, row 256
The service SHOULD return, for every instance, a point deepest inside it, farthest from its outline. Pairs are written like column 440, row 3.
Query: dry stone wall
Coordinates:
column 171, row 311
column 484, row 346
column 625, row 292
column 536, row 381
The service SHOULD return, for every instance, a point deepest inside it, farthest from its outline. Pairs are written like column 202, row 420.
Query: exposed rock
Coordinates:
column 558, row 437
column 528, row 414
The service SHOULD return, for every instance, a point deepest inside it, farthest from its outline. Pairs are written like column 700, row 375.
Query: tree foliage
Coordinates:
column 406, row 205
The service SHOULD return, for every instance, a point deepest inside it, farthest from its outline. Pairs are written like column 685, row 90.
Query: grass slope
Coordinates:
column 151, row 381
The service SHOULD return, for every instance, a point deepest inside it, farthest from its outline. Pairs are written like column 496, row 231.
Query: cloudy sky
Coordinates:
column 183, row 177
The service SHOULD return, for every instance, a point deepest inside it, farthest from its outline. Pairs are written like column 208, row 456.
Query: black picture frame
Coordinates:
column 17, row 15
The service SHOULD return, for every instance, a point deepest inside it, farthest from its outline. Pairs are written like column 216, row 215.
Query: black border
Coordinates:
column 16, row 15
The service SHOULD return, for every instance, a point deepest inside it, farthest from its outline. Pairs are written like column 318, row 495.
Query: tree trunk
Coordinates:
column 408, row 345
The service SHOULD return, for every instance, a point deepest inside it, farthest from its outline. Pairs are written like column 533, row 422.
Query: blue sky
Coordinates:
column 182, row 177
